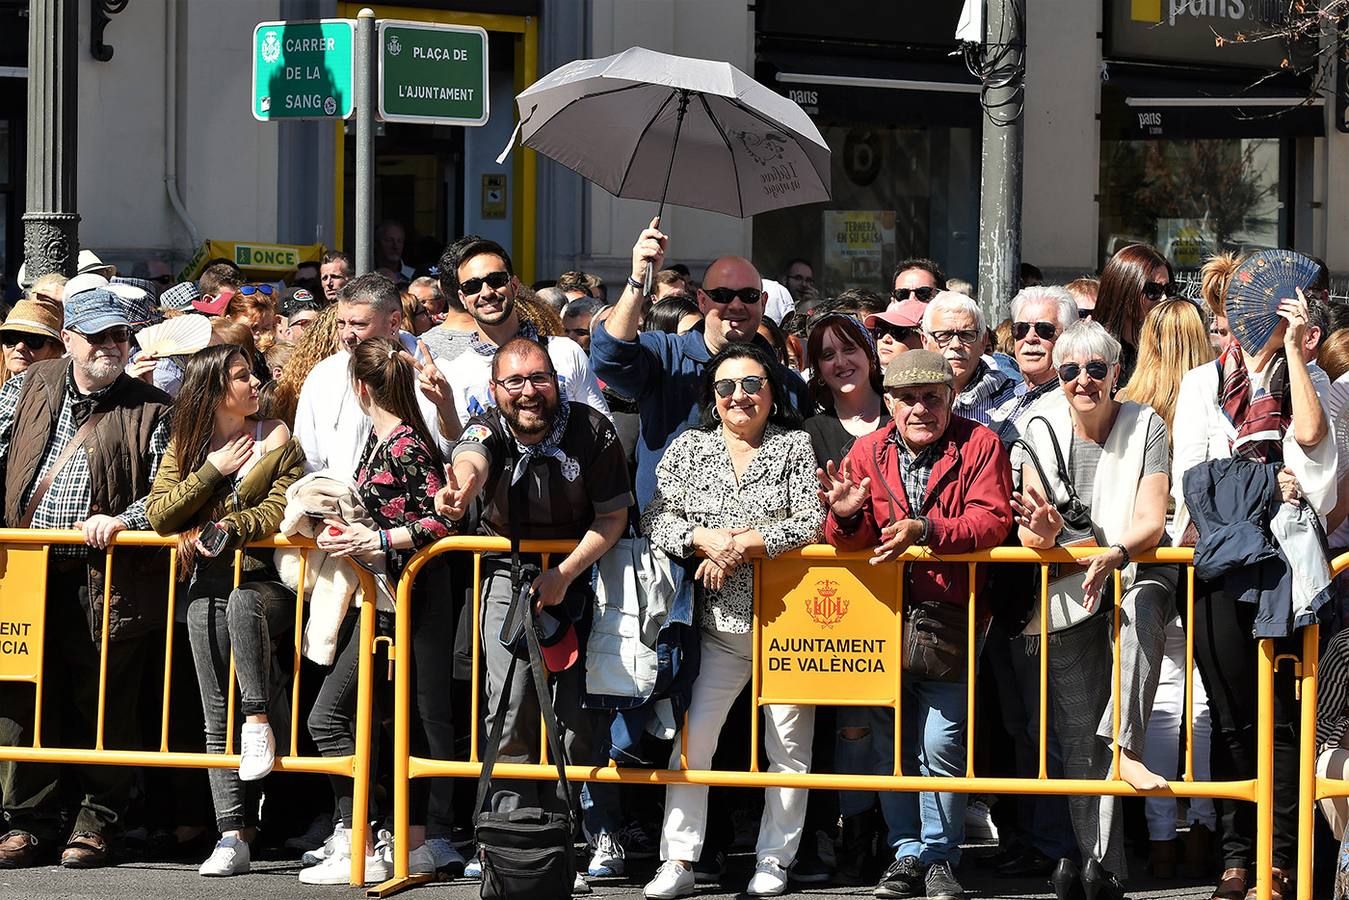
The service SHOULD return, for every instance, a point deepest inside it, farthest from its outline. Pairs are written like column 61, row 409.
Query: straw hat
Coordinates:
column 40, row 315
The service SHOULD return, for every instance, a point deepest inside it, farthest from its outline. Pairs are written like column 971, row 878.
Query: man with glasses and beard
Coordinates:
column 488, row 289
column 663, row 372
column 80, row 443
column 565, row 459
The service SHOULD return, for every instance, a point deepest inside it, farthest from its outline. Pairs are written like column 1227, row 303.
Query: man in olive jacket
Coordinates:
column 80, row 442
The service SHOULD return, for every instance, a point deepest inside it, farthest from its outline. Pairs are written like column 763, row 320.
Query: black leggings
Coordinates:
column 1228, row 660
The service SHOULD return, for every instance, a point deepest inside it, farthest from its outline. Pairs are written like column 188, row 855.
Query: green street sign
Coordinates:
column 432, row 74
column 303, row 70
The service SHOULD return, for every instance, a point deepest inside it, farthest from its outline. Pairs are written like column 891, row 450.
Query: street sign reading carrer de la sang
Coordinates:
column 303, row 70
column 432, row 74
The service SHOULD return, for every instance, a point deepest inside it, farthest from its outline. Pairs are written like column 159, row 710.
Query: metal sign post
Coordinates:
column 365, row 140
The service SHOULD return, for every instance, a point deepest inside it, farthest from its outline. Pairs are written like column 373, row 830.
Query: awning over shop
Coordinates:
column 836, row 89
column 264, row 262
column 1146, row 106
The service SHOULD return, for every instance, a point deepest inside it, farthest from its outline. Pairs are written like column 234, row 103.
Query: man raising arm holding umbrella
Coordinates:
column 661, row 371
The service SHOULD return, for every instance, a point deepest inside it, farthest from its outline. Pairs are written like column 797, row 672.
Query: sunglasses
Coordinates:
column 1155, row 291
column 924, row 293
column 117, row 334
column 163, row 279
column 898, row 332
column 31, row 341
column 1096, row 370
column 1046, row 331
column 514, row 384
column 494, row 280
column 1085, row 313
column 250, row 289
column 723, row 296
column 750, row 384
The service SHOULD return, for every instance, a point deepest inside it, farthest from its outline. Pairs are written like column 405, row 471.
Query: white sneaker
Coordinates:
column 979, row 823
column 445, row 856
column 230, row 857
column 769, row 879
column 336, row 869
column 257, row 752
column 671, row 880
column 473, row 868
column 579, row 885
column 422, row 861
column 339, row 836
column 608, row 858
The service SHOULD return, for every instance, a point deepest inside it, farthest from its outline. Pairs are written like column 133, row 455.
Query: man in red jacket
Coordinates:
column 937, row 480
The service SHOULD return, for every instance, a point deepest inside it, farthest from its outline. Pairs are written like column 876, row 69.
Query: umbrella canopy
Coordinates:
column 738, row 148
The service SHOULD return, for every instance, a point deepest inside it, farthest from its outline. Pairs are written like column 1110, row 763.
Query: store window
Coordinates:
column 897, row 192
column 1192, row 198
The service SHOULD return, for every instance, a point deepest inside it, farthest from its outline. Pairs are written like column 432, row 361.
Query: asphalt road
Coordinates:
column 276, row 879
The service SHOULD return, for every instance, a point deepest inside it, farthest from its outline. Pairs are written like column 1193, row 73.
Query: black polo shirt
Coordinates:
column 562, row 499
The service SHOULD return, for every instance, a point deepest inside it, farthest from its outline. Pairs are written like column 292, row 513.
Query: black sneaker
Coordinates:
column 904, row 878
column 941, row 884
column 709, row 867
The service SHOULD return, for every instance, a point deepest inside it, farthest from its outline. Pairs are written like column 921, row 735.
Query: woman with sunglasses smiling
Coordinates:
column 31, row 333
column 1116, row 465
column 742, row 483
column 1135, row 280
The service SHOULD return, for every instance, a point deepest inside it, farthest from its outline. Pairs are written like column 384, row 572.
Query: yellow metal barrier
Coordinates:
column 1257, row 790
column 355, row 766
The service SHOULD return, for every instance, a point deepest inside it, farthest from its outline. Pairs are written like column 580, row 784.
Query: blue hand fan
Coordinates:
column 1259, row 284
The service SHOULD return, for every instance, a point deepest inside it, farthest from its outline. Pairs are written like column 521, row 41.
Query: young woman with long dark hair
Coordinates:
column 1136, row 279
column 399, row 473
column 227, row 468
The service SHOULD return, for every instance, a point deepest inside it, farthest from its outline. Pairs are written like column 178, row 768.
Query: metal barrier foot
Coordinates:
column 395, row 884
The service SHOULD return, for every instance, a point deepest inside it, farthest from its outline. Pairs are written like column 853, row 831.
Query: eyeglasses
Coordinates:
column 1155, row 291
column 31, row 341
column 1046, row 331
column 249, row 289
column 750, row 384
column 117, row 334
column 514, row 384
column 1096, row 370
column 966, row 336
column 899, row 333
column 494, row 280
column 723, row 296
column 924, row 294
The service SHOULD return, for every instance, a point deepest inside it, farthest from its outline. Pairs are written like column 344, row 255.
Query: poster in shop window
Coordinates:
column 859, row 248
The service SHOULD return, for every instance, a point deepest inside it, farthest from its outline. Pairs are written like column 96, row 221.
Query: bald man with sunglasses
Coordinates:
column 663, row 372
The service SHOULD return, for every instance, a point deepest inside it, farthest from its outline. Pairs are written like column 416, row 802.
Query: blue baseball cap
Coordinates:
column 94, row 310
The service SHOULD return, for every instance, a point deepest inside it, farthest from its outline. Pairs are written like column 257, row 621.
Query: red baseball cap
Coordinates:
column 557, row 640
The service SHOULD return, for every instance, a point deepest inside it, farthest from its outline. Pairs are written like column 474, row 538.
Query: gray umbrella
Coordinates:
column 651, row 126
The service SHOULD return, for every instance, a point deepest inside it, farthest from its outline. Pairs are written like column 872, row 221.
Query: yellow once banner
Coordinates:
column 828, row 634
column 23, row 609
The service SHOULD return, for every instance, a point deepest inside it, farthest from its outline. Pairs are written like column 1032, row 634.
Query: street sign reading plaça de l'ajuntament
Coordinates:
column 432, row 74
column 303, row 69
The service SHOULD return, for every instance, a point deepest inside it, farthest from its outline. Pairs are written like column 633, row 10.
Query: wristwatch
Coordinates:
column 1124, row 552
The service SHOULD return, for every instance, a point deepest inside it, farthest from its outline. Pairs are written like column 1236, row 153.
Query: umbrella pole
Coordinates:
column 650, row 278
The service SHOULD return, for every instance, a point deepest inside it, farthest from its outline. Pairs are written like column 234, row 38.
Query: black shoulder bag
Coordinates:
column 526, row 854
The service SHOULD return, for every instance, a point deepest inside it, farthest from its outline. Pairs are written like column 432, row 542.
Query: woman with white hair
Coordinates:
column 1094, row 473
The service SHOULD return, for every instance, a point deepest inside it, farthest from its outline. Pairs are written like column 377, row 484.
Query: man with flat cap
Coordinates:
column 933, row 479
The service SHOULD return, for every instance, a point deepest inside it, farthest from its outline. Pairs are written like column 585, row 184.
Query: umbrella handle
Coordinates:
column 649, row 279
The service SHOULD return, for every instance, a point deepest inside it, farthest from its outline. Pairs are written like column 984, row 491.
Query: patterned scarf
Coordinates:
column 549, row 446
column 483, row 348
column 1262, row 421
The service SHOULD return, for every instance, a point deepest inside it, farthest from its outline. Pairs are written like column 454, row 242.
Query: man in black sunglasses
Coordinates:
column 663, row 372
column 919, row 278
column 1040, row 316
column 488, row 289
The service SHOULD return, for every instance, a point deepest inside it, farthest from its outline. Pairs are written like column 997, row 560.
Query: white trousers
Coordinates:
column 722, row 674
column 1162, row 750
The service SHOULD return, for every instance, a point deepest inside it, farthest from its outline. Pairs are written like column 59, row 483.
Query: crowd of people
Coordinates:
column 721, row 418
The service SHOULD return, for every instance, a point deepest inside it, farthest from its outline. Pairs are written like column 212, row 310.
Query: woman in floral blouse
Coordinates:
column 742, row 483
column 399, row 473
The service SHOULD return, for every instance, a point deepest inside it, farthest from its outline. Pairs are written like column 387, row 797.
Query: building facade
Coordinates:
column 1137, row 127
